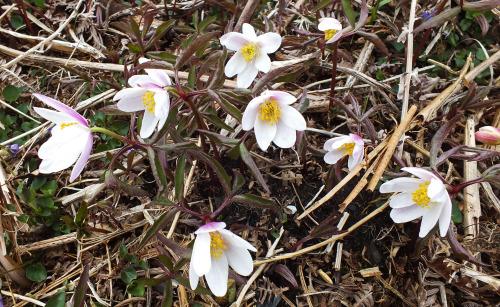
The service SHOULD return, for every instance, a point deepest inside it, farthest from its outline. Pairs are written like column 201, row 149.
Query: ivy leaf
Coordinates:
column 128, row 275
column 11, row 93
column 36, row 272
column 58, row 300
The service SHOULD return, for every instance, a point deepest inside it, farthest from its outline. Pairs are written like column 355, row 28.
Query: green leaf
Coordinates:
column 248, row 160
column 206, row 22
column 49, row 188
column 349, row 12
column 224, row 178
column 37, row 183
column 39, row 3
column 16, row 21
column 57, row 300
column 11, row 93
column 81, row 215
column 128, row 275
column 255, row 201
column 456, row 215
column 134, row 48
column 81, row 288
column 197, row 44
column 137, row 288
column 36, row 272
column 157, row 225
column 179, row 177
column 168, row 294
column 322, row 4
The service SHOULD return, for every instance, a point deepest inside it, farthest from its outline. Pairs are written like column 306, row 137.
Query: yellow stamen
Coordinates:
column 249, row 51
column 419, row 196
column 347, row 148
column 270, row 111
column 329, row 34
column 64, row 125
column 148, row 99
column 217, row 245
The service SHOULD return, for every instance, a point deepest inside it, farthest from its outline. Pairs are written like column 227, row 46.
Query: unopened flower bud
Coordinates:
column 488, row 135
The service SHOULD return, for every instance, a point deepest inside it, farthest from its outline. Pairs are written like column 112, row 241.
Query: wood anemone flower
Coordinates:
column 425, row 196
column 488, row 135
column 273, row 119
column 332, row 29
column 351, row 145
column 147, row 93
column 70, row 141
column 251, row 53
column 214, row 250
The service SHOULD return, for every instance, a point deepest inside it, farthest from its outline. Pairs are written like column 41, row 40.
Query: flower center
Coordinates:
column 270, row 111
column 65, row 125
column 217, row 245
column 419, row 196
column 249, row 51
column 148, row 99
column 347, row 148
column 329, row 34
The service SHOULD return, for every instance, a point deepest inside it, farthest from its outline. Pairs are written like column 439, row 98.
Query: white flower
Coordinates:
column 332, row 28
column 251, row 53
column 214, row 249
column 70, row 141
column 273, row 119
column 147, row 93
column 425, row 197
column 351, row 145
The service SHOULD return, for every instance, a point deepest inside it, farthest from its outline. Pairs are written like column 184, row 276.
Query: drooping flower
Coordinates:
column 251, row 53
column 332, row 29
column 147, row 93
column 425, row 196
column 70, row 141
column 351, row 145
column 214, row 249
column 273, row 119
column 488, row 135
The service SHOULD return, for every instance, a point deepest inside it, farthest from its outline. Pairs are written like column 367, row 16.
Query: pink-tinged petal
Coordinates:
column 292, row 118
column 406, row 214
column 420, row 173
column 429, row 219
column 401, row 200
column 251, row 112
column 237, row 241
column 333, row 156
column 61, row 107
column 249, row 31
column 445, row 217
column 285, row 136
column 140, row 81
column 329, row 24
column 200, row 257
column 233, row 41
column 264, row 133
column 336, row 142
column 218, row 275
column 210, row 227
column 357, row 139
column 82, row 160
column 148, row 125
column 488, row 135
column 263, row 62
column 281, row 97
column 235, row 65
column 246, row 77
column 54, row 116
column 240, row 260
column 356, row 158
column 403, row 184
column 162, row 104
column 269, row 42
column 193, row 277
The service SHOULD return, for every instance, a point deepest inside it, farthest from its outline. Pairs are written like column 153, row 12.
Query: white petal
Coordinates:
column 285, row 136
column 281, row 97
column 335, row 38
column 200, row 258
column 54, row 116
column 235, row 65
column 233, row 41
column 333, row 156
column 406, row 214
column 249, row 32
column 240, row 260
column 419, row 172
column 356, row 158
column 61, row 107
column 329, row 24
column 251, row 112
column 403, row 184
column 148, row 125
column 140, row 80
column 83, row 159
column 159, row 76
column 235, row 240
column 162, row 104
column 292, row 118
column 401, row 200
column 193, row 277
column 132, row 103
column 217, row 276
column 445, row 217
column 246, row 77
column 131, row 92
column 336, row 142
column 263, row 62
column 264, row 133
column 210, row 227
column 59, row 153
column 429, row 219
column 436, row 189
column 269, row 42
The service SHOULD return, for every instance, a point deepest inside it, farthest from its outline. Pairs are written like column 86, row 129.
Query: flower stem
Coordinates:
column 111, row 134
column 334, row 75
column 459, row 187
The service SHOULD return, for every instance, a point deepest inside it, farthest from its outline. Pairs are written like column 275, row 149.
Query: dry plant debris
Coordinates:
column 249, row 153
